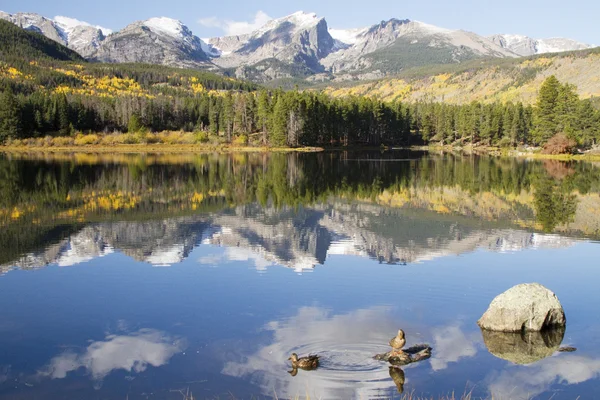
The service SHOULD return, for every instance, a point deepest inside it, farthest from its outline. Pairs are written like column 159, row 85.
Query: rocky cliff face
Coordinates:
column 155, row 41
column 299, row 38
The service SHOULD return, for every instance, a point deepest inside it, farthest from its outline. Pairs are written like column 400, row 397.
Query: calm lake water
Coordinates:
column 148, row 277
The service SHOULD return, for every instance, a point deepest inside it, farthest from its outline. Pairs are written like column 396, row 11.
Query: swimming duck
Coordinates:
column 309, row 362
column 398, row 342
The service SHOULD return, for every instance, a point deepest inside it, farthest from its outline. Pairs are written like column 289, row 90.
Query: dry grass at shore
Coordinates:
column 144, row 142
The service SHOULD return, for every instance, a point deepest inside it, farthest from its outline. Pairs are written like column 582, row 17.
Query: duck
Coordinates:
column 307, row 363
column 398, row 341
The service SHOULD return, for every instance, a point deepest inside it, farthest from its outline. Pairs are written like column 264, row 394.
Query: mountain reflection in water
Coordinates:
column 362, row 216
column 292, row 210
column 299, row 239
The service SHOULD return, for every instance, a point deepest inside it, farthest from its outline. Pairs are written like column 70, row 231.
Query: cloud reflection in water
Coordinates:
column 132, row 352
column 525, row 382
column 346, row 344
column 451, row 344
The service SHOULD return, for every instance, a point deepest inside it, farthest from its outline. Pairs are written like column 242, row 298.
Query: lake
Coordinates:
column 162, row 276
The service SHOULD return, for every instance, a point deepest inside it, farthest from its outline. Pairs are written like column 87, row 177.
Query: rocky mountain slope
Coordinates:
column 300, row 45
column 526, row 46
column 16, row 42
column 76, row 35
column 156, row 41
column 393, row 45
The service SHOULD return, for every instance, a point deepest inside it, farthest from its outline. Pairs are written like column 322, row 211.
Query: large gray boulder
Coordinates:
column 525, row 307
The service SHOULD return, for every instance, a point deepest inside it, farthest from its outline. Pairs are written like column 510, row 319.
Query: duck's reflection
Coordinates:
column 131, row 352
column 397, row 375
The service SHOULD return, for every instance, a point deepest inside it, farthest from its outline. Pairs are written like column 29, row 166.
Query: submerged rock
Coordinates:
column 567, row 349
column 411, row 355
column 523, row 347
column 526, row 307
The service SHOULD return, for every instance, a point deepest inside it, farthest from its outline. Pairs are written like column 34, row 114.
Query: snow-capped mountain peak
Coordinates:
column 167, row 26
column 301, row 40
column 179, row 31
column 69, row 24
column 299, row 21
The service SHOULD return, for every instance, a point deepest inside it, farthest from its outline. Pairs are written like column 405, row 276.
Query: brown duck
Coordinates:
column 307, row 363
column 398, row 341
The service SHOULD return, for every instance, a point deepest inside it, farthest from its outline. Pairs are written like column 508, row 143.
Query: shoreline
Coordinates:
column 508, row 153
column 164, row 148
column 156, row 149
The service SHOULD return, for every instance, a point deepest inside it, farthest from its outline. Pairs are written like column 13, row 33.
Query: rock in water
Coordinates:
column 523, row 347
column 525, row 307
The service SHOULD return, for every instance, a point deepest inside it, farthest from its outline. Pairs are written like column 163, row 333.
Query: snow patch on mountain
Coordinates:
column 209, row 49
column 347, row 36
column 431, row 29
column 557, row 45
column 167, row 26
column 300, row 21
column 69, row 24
column 527, row 46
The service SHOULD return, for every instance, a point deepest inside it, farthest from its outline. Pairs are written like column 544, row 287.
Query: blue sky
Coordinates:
column 576, row 19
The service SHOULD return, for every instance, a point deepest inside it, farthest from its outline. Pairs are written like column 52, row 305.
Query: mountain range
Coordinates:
column 300, row 45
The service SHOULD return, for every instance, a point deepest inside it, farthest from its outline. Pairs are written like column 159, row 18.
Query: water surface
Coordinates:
column 153, row 276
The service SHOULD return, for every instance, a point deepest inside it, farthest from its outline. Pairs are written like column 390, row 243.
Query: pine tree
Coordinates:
column 64, row 124
column 545, row 115
column 263, row 114
column 518, row 128
column 566, row 108
column 587, row 120
column 280, row 121
column 10, row 118
column 135, row 124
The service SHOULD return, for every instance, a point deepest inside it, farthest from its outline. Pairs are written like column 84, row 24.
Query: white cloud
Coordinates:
column 236, row 27
column 133, row 352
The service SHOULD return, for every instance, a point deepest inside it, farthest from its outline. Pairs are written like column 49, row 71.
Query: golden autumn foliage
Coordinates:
column 13, row 73
column 517, row 82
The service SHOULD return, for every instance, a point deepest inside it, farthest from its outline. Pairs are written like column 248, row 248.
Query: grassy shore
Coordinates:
column 145, row 142
column 154, row 148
